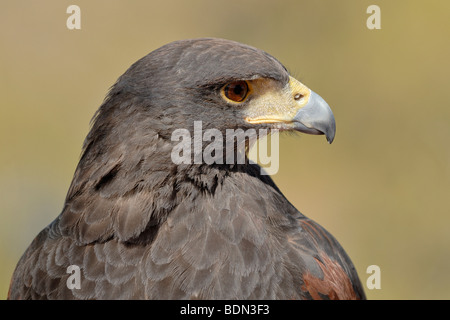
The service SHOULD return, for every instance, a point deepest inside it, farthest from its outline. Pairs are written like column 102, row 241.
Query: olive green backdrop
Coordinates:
column 382, row 188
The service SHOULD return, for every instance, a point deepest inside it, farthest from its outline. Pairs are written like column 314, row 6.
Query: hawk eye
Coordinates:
column 236, row 91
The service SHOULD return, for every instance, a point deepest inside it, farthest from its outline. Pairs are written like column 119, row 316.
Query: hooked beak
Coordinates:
column 316, row 117
column 294, row 107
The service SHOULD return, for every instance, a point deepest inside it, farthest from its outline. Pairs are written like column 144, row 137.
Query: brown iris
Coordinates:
column 236, row 91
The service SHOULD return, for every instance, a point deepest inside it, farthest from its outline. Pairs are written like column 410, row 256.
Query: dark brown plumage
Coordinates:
column 141, row 227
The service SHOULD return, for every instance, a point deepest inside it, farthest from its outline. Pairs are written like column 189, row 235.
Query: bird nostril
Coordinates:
column 298, row 96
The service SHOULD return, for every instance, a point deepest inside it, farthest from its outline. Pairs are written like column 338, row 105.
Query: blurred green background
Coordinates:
column 382, row 188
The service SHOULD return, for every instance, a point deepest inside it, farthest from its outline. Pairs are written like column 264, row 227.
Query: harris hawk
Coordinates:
column 139, row 226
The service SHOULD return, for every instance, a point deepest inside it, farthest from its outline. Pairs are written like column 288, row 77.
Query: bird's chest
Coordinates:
column 216, row 255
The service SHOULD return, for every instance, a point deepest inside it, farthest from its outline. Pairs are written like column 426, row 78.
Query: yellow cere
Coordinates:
column 272, row 103
column 298, row 87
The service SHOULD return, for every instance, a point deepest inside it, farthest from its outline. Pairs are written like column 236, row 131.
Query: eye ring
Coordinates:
column 236, row 91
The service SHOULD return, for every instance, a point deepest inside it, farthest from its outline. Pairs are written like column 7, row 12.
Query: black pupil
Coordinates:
column 238, row 89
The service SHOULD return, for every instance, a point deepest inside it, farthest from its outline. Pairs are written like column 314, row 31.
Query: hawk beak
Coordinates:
column 316, row 117
column 294, row 107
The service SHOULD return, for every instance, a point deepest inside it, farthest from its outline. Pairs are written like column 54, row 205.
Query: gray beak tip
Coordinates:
column 330, row 139
column 331, row 132
column 316, row 117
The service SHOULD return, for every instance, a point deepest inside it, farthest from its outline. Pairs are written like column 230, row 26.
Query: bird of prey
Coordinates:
column 137, row 225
